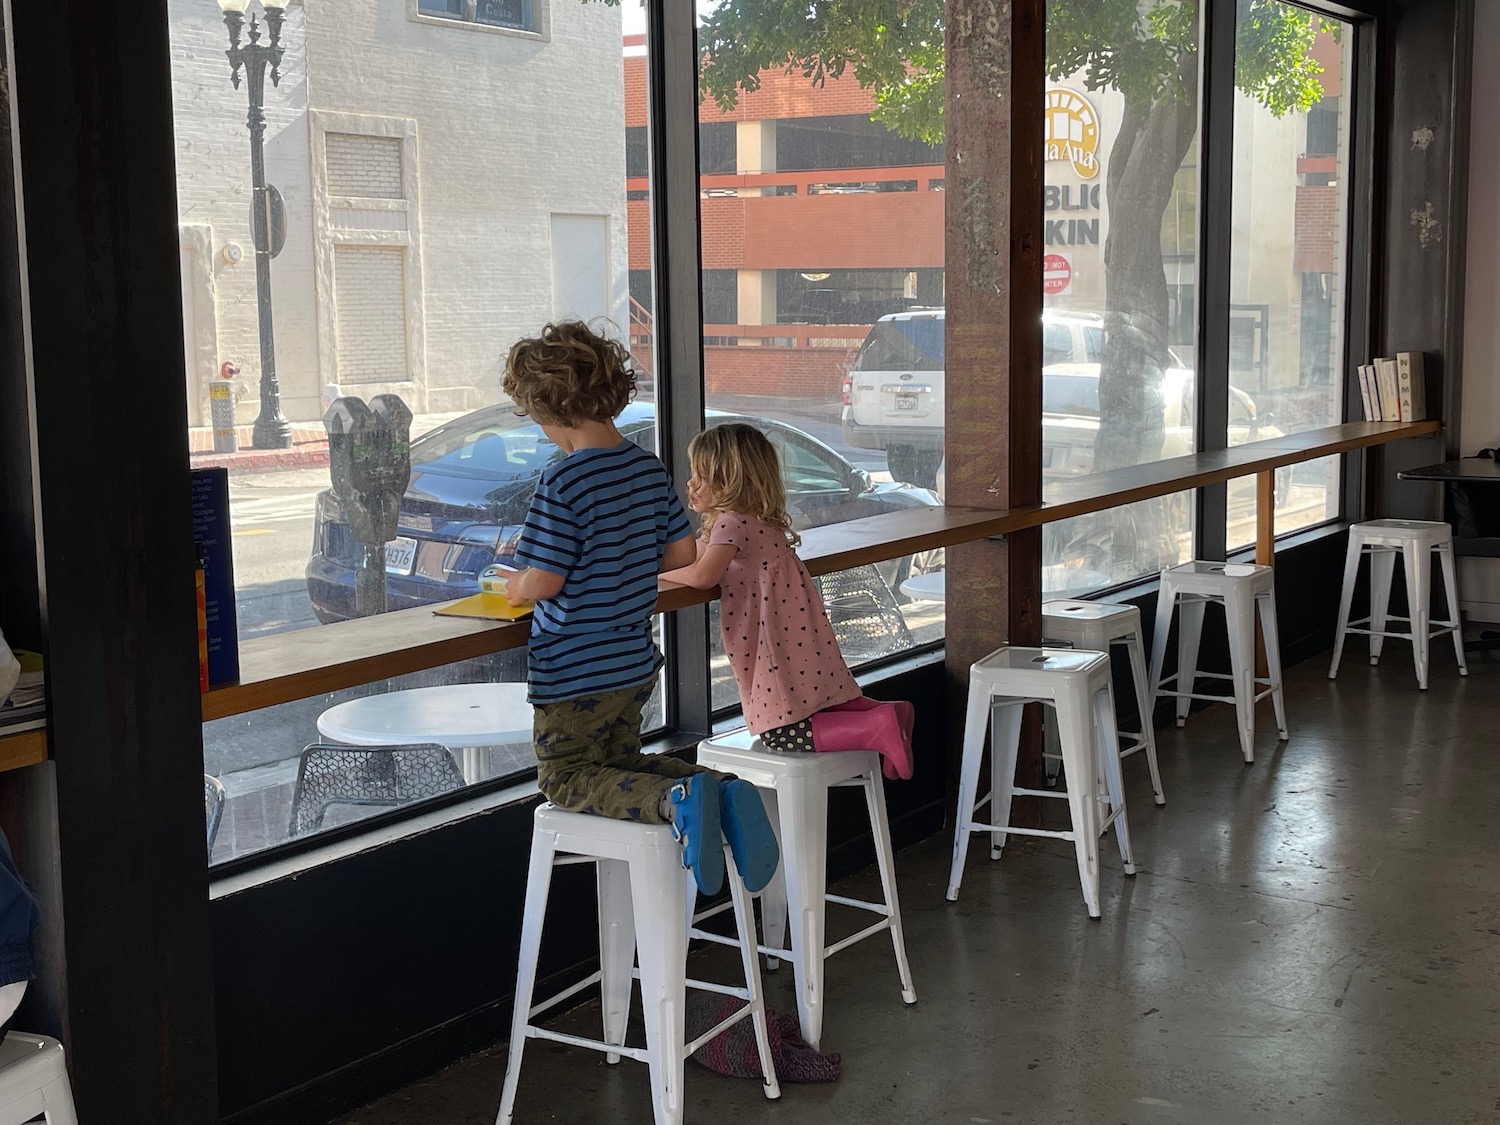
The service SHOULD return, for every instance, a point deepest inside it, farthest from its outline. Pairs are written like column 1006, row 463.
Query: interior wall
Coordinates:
column 1479, row 424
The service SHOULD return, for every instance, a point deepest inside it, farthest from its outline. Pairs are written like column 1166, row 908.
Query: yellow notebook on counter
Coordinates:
column 490, row 607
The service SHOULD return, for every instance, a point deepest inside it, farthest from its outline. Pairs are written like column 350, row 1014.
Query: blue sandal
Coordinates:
column 695, row 821
column 751, row 841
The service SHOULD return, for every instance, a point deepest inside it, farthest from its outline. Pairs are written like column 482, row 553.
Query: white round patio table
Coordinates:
column 463, row 717
column 929, row 587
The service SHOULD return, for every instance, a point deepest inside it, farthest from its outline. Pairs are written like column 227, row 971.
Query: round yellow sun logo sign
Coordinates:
column 1072, row 131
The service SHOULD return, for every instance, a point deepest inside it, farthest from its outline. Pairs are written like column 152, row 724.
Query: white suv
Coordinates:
column 893, row 395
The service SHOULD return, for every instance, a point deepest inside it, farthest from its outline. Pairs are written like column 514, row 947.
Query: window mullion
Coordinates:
column 1358, row 312
column 1215, row 242
column 678, row 345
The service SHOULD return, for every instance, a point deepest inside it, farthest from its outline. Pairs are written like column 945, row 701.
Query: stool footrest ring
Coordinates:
column 1046, row 833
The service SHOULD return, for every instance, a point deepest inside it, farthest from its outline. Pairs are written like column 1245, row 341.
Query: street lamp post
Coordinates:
column 271, row 430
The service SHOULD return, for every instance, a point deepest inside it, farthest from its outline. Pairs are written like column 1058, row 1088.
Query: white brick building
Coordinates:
column 449, row 186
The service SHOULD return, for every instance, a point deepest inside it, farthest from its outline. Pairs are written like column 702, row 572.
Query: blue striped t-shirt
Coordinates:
column 601, row 518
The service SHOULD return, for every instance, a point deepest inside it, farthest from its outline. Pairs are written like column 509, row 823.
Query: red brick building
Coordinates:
column 816, row 222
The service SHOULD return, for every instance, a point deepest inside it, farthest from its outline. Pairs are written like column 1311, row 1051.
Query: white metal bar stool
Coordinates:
column 1102, row 627
column 1242, row 589
column 1414, row 541
column 643, row 908
column 1077, row 685
column 34, row 1081
column 795, row 789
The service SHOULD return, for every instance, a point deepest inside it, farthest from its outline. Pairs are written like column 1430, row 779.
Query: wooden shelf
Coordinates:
column 308, row 662
column 1082, row 495
column 29, row 748
column 291, row 666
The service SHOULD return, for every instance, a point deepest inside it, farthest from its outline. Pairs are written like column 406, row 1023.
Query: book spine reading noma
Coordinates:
column 1412, row 379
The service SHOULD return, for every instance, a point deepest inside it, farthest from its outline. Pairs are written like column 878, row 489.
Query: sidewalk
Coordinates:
column 309, row 446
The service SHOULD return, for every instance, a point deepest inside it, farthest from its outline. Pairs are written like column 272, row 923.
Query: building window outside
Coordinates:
column 513, row 14
column 848, row 296
column 640, row 290
column 370, row 299
column 846, row 141
column 367, row 250
column 637, row 153
column 717, row 150
column 1323, row 121
column 718, row 153
column 721, row 297
column 364, row 167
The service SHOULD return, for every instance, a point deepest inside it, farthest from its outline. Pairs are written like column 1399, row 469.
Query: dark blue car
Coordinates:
column 472, row 482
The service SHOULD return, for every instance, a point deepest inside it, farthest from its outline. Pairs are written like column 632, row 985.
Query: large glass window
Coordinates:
column 1119, row 280
column 409, row 228
column 1287, row 288
column 416, row 230
column 823, row 306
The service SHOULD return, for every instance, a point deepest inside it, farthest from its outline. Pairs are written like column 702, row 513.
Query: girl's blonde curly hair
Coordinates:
column 739, row 464
column 569, row 374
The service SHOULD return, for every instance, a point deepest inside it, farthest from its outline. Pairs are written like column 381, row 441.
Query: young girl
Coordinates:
column 796, row 690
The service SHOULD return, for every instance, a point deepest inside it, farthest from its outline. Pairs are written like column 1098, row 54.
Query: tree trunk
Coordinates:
column 1143, row 165
column 1141, row 538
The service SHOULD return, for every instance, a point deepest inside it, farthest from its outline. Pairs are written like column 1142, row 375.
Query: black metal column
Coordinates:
column 1422, row 180
column 1359, row 307
column 94, row 109
column 1215, row 247
column 18, row 554
column 672, row 71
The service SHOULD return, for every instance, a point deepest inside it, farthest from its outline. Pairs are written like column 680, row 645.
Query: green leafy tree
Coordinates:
column 1145, row 49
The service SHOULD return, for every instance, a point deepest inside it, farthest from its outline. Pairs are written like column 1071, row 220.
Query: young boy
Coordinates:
column 604, row 523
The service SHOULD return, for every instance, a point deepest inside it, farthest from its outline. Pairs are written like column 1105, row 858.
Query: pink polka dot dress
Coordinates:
column 785, row 657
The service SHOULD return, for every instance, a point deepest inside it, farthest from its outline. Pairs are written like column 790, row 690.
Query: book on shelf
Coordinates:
column 211, row 530
column 1373, row 378
column 1390, row 393
column 1411, row 384
column 1367, row 398
column 18, row 717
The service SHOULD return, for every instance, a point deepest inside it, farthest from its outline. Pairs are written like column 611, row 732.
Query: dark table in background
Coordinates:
column 1473, row 510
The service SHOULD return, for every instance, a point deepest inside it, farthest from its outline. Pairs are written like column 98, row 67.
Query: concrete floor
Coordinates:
column 1314, row 938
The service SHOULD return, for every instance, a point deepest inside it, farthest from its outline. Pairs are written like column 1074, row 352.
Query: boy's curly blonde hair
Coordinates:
column 740, row 465
column 569, row 374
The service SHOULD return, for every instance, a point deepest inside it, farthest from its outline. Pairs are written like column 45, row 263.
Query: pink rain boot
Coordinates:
column 865, row 725
column 906, row 716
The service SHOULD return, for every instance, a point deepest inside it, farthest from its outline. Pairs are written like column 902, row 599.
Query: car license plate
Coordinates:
column 906, row 402
column 400, row 555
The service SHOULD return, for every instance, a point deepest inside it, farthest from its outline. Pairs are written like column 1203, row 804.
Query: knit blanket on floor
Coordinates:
column 733, row 1052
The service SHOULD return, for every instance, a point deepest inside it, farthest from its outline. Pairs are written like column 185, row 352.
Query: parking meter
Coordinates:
column 369, row 460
